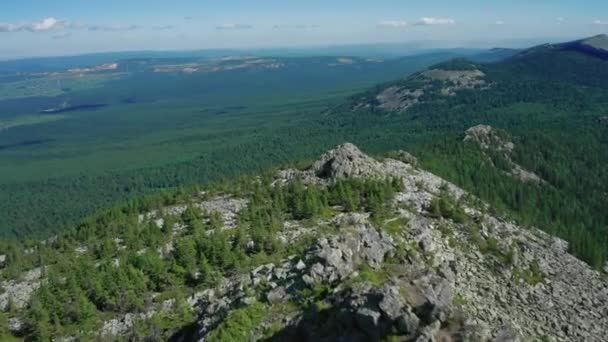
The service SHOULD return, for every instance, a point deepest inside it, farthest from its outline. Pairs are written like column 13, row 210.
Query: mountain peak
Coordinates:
column 599, row 42
column 346, row 161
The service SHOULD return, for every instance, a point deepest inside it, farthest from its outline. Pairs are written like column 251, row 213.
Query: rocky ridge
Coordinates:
column 456, row 273
column 491, row 140
column 444, row 82
column 440, row 280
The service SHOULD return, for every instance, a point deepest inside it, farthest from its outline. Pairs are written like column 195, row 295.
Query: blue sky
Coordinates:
column 59, row 27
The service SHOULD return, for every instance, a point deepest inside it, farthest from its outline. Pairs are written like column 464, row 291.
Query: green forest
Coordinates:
column 550, row 101
column 84, row 285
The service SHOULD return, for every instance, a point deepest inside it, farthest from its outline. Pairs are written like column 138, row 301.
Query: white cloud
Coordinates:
column 7, row 28
column 435, row 21
column 51, row 23
column 600, row 22
column 500, row 22
column 560, row 19
column 234, row 27
column 46, row 24
column 112, row 27
column 392, row 24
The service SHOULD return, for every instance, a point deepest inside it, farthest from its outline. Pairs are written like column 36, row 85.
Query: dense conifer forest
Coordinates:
column 550, row 101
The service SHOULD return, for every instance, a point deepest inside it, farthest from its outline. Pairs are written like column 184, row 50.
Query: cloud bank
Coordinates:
column 46, row 24
column 234, row 27
column 51, row 24
column 113, row 27
column 392, row 24
column 427, row 21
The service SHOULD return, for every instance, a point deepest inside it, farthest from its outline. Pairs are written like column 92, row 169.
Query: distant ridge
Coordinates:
column 596, row 46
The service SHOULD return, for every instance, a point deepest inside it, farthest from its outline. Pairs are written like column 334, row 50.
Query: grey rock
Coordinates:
column 248, row 300
column 392, row 304
column 308, row 280
column 16, row 325
column 332, row 256
column 19, row 292
column 368, row 320
column 407, row 324
column 508, row 334
column 317, row 269
column 300, row 265
column 276, row 295
column 490, row 139
column 346, row 161
column 474, row 331
column 429, row 332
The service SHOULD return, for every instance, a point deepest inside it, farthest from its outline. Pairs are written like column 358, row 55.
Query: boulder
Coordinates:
column 369, row 321
column 276, row 295
column 392, row 304
column 407, row 324
column 346, row 161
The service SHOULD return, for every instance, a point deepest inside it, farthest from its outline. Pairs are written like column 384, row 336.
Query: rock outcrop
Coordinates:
column 415, row 274
column 442, row 82
column 434, row 279
column 344, row 162
column 17, row 293
column 496, row 141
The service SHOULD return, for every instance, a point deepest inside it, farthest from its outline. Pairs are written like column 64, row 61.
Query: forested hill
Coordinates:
column 553, row 100
column 348, row 248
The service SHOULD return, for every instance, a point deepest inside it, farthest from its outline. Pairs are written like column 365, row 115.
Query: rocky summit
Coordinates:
column 428, row 277
column 423, row 261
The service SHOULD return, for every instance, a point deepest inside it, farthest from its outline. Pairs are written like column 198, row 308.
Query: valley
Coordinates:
column 303, row 171
column 453, row 194
column 158, row 127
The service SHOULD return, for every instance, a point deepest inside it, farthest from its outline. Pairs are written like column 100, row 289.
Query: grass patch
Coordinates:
column 531, row 276
column 239, row 324
column 459, row 300
column 368, row 274
column 395, row 226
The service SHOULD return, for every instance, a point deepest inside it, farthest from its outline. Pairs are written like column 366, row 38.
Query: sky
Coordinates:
column 63, row 27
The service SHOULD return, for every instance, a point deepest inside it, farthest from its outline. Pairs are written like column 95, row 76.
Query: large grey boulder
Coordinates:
column 276, row 295
column 369, row 321
column 408, row 323
column 392, row 303
column 346, row 161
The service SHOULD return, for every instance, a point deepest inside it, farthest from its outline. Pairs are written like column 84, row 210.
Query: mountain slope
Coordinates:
column 597, row 45
column 550, row 98
column 351, row 247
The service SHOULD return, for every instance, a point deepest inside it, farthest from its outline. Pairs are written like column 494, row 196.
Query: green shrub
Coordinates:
column 239, row 324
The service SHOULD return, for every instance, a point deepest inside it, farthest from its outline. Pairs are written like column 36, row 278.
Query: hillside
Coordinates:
column 168, row 121
column 549, row 98
column 350, row 247
column 596, row 45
